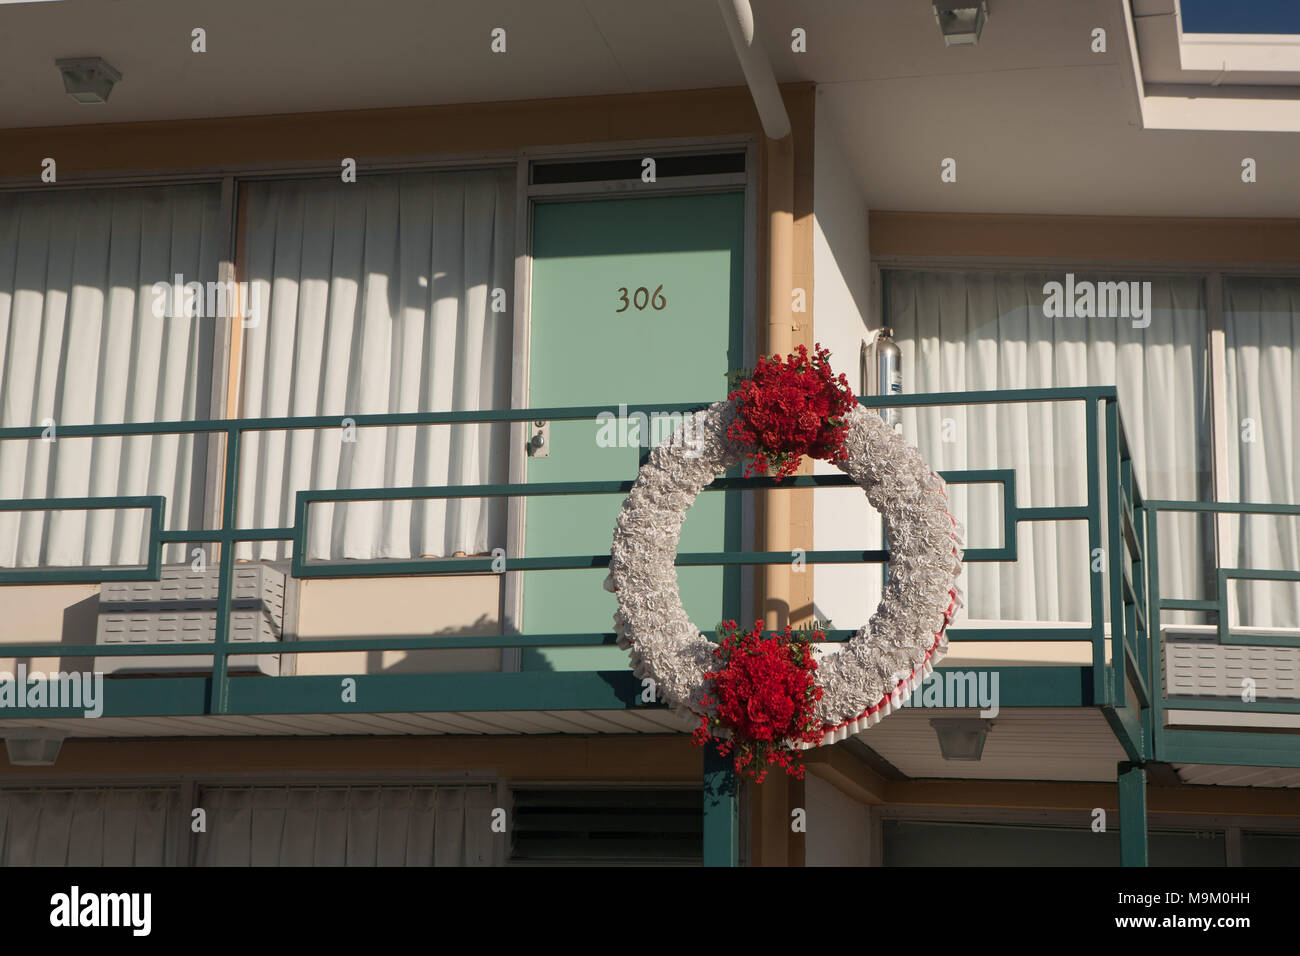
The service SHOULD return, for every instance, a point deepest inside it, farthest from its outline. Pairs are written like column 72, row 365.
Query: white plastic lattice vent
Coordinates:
column 181, row 608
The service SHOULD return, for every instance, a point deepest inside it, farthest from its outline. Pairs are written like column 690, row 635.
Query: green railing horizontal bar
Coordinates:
column 1236, row 638
column 1230, row 747
column 1255, row 574
column 362, row 569
column 991, row 397
column 1233, row 704
column 233, row 535
column 545, row 488
column 375, row 693
column 432, row 642
column 134, row 697
column 465, row 692
column 1034, row 686
column 311, row 646
column 1057, row 513
column 1223, row 507
column 330, row 644
column 101, row 503
column 1188, row 604
column 1012, row 635
column 63, row 575
column 1050, row 686
column 567, row 413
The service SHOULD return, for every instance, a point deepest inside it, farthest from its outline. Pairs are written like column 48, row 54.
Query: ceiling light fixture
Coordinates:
column 87, row 79
column 38, row 747
column 961, row 738
column 960, row 23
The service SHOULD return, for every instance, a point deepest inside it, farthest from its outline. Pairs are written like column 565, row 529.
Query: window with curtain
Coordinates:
column 392, row 294
column 1262, row 338
column 977, row 331
column 110, row 826
column 80, row 343
column 347, row 826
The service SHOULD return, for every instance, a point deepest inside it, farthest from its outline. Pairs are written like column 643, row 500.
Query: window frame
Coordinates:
column 188, row 785
column 233, row 219
column 1231, row 825
column 1211, row 274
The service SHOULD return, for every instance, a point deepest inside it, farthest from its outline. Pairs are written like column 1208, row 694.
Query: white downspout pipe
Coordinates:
column 775, row 528
column 739, row 17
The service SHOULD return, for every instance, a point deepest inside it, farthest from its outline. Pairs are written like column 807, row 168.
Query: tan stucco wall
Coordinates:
column 400, row 607
column 47, row 613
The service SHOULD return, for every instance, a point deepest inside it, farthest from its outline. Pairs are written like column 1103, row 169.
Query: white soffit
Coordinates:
column 1025, row 743
column 1210, row 81
column 1231, row 719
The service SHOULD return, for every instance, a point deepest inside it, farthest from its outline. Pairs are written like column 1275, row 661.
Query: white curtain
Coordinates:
column 1262, row 325
column 977, row 331
column 348, row 826
column 88, row 827
column 80, row 344
column 379, row 296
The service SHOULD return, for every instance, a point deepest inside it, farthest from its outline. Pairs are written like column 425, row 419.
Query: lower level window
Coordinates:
column 933, row 843
column 101, row 826
column 330, row 825
column 347, row 826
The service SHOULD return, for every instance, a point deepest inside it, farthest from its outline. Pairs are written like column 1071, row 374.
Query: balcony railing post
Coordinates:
column 721, row 810
column 1096, row 582
column 219, row 692
column 1132, row 780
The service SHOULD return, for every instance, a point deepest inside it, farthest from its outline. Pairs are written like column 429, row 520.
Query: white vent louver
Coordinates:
column 181, row 608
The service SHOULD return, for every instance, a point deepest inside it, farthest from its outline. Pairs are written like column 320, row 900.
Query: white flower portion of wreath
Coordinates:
column 875, row 670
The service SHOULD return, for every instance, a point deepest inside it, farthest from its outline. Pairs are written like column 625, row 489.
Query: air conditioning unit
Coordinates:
column 1197, row 665
column 181, row 609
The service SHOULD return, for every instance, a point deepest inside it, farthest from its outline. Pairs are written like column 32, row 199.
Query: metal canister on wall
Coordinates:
column 888, row 377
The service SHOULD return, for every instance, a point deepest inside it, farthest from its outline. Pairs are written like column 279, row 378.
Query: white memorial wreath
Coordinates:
column 876, row 669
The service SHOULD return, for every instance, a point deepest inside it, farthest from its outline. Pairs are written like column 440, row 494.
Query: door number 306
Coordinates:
column 641, row 298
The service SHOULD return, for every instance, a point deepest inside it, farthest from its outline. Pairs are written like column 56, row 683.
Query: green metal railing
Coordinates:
column 1124, row 601
column 516, row 691
column 1210, row 746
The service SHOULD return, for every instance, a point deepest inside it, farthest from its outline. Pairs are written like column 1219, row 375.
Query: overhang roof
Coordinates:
column 1037, row 121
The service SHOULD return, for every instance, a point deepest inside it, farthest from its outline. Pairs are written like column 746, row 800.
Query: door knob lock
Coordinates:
column 539, row 440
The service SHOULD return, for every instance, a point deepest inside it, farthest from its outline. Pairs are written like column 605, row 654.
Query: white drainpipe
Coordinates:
column 775, row 526
column 739, row 18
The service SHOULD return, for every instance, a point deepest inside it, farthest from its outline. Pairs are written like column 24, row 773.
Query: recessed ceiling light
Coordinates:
column 960, row 23
column 87, row 79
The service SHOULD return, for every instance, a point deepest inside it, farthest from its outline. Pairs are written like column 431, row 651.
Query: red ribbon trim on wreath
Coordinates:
column 938, row 638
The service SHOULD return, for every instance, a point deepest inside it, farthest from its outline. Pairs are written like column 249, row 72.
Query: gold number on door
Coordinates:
column 643, row 297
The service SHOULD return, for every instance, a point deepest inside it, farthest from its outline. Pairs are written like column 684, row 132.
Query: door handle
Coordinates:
column 539, row 440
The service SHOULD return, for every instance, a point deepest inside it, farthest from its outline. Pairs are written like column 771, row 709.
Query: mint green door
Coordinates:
column 634, row 301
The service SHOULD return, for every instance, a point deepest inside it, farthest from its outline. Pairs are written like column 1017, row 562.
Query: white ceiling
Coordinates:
column 1037, row 122
column 1209, row 774
column 1027, row 743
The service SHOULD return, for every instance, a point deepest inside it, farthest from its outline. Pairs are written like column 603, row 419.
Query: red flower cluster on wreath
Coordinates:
column 790, row 408
column 764, row 693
